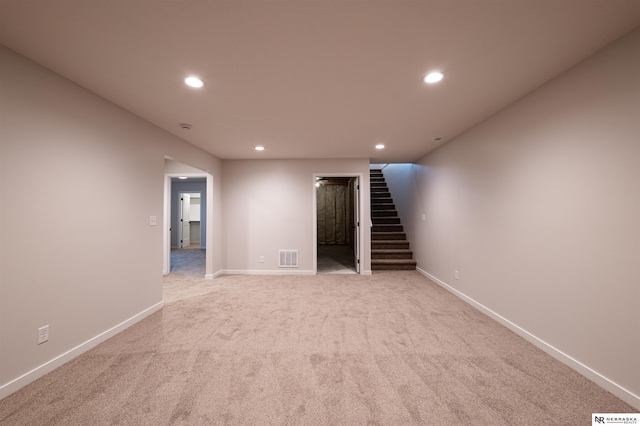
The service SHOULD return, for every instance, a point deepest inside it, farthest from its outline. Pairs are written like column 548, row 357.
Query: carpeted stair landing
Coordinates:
column 389, row 245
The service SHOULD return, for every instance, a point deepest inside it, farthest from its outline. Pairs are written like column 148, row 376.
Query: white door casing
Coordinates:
column 358, row 212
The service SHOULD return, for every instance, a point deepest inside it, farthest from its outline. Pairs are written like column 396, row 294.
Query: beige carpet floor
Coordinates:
column 388, row 349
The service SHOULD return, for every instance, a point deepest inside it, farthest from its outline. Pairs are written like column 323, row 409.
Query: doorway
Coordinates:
column 190, row 212
column 186, row 216
column 337, row 230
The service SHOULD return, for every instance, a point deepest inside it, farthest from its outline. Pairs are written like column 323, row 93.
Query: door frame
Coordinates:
column 359, row 202
column 191, row 195
column 166, row 221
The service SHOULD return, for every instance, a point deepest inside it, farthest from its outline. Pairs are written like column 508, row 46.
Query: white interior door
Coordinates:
column 185, row 226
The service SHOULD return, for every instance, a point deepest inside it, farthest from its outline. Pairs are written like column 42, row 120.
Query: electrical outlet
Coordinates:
column 43, row 334
column 261, row 259
column 456, row 275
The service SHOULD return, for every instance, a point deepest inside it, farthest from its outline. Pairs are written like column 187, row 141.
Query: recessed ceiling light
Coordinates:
column 380, row 146
column 185, row 126
column 433, row 77
column 259, row 148
column 182, row 177
column 194, row 82
column 438, row 139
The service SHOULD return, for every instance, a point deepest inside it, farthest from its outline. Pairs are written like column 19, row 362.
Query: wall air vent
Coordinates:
column 288, row 259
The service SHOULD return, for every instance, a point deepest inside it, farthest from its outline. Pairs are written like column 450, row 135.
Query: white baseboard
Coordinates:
column 269, row 272
column 622, row 393
column 366, row 272
column 12, row 386
column 214, row 275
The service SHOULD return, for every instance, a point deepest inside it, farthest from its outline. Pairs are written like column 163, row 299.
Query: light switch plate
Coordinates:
column 43, row 334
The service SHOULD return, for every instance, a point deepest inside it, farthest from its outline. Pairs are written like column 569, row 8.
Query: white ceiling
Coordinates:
column 313, row 79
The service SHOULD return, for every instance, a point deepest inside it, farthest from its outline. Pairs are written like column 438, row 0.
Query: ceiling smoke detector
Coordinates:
column 185, row 126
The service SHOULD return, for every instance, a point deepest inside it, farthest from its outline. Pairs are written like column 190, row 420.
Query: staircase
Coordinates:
column 389, row 245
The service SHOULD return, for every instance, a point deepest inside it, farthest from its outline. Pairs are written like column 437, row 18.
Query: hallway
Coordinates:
column 189, row 261
column 186, row 279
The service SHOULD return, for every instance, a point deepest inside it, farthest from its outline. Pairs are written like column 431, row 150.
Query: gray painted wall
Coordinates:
column 74, row 272
column 538, row 209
